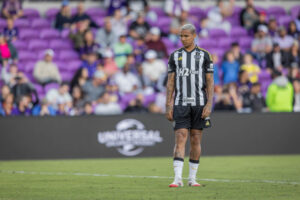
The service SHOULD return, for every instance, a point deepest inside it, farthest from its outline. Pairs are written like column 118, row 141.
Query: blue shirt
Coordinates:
column 216, row 74
column 230, row 71
column 90, row 67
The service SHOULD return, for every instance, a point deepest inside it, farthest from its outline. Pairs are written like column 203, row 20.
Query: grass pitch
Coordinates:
column 236, row 177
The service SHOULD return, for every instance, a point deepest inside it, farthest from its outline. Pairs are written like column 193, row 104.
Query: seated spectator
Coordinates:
column 293, row 56
column 243, row 84
column 109, row 65
column 121, row 50
column 153, row 68
column 256, row 98
column 5, row 91
column 277, row 59
column 8, row 53
column 228, row 101
column 87, row 109
column 139, row 49
column 262, row 20
column 119, row 23
column 285, row 41
column 63, row 109
column 215, row 59
column 12, row 9
column 280, row 94
column 105, row 36
column 63, row 18
column 262, row 44
column 90, row 46
column 8, row 76
column 113, row 5
column 230, row 69
column 272, row 26
column 59, row 96
column 292, row 30
column 7, row 106
column 252, row 69
column 46, row 71
column 82, row 16
column 155, row 43
column 77, row 34
column 24, row 106
column 23, row 87
column 126, row 81
column 106, row 106
column 249, row 17
column 94, row 88
column 174, row 8
column 175, row 25
column 296, row 84
column 80, row 78
column 78, row 101
column 90, row 63
column 44, row 109
column 139, row 28
column 244, row 12
column 10, row 32
column 136, row 105
column 236, row 50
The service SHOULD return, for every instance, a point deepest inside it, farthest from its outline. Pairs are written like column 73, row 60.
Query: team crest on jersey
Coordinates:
column 197, row 57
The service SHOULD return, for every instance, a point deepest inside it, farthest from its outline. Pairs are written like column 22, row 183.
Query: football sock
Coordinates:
column 193, row 165
column 178, row 166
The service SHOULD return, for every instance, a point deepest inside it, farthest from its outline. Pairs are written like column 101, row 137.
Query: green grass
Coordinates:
column 67, row 186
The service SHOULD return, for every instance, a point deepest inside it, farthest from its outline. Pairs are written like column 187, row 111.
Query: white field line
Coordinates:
column 155, row 177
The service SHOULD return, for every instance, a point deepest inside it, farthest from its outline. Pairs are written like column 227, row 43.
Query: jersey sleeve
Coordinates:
column 208, row 64
column 171, row 64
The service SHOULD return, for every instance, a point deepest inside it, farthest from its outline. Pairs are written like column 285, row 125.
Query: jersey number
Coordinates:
column 184, row 72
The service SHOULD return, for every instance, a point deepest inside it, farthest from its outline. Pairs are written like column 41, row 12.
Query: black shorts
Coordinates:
column 188, row 117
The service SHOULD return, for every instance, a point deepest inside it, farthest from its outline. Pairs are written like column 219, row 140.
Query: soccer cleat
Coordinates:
column 193, row 183
column 176, row 184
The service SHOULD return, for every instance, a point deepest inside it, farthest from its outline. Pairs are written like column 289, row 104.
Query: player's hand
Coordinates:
column 206, row 111
column 169, row 113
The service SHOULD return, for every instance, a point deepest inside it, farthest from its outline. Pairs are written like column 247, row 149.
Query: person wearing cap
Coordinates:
column 285, row 41
column 121, row 50
column 139, row 28
column 8, row 52
column 63, row 18
column 155, row 43
column 261, row 44
column 94, row 88
column 46, row 71
column 262, row 20
column 153, row 68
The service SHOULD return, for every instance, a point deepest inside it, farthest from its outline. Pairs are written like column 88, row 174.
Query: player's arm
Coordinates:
column 209, row 76
column 170, row 88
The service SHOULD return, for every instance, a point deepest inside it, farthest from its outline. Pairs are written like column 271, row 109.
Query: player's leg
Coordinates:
column 195, row 152
column 181, row 136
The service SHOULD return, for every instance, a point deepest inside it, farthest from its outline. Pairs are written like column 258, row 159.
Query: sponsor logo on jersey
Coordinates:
column 180, row 58
column 189, row 100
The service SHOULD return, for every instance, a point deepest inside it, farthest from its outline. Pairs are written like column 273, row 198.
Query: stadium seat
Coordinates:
column 260, row 9
column 51, row 13
column 164, row 24
column 51, row 86
column 37, row 44
column 22, row 23
column 197, row 11
column 31, row 13
column 285, row 20
column 60, row 44
column 40, row 24
column 66, row 55
column 158, row 10
column 29, row 67
column 276, row 11
column 237, row 32
column 49, row 33
column 96, row 12
column 26, row 34
column 225, row 42
column 216, row 33
column 2, row 23
column 295, row 11
column 66, row 76
column 20, row 45
column 73, row 65
column 149, row 99
column 26, row 56
column 245, row 42
column 207, row 43
column 98, row 20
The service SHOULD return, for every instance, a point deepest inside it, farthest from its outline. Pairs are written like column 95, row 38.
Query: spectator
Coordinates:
column 44, row 109
column 262, row 20
column 139, row 28
column 23, row 87
column 46, row 71
column 7, row 106
column 257, row 101
column 245, row 12
column 139, row 49
column 285, row 41
column 10, row 32
column 77, row 34
column 119, row 23
column 82, row 16
column 215, row 59
column 12, row 9
column 106, row 106
column 293, row 55
column 105, row 36
column 94, row 88
column 297, row 21
column 252, row 69
column 277, row 59
column 296, row 84
column 90, row 63
column 5, row 91
column 8, row 53
column 122, row 49
column 89, row 47
column 126, row 81
column 272, row 26
column 109, row 66
column 243, row 84
column 292, row 30
column 80, row 78
column 230, row 69
column 113, row 5
column 155, row 43
column 140, row 6
column 24, row 106
column 153, row 68
column 262, row 44
column 249, row 17
column 87, row 109
column 236, row 50
column 280, row 94
column 63, row 19
column 9, row 76
column 228, row 101
column 176, row 23
column 78, row 101
column 175, row 8
column 59, row 96
column 136, row 105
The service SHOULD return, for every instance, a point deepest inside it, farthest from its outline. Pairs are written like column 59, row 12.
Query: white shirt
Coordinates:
column 54, row 97
column 154, row 70
column 126, row 82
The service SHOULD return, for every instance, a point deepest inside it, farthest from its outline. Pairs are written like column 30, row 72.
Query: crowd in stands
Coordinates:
column 113, row 59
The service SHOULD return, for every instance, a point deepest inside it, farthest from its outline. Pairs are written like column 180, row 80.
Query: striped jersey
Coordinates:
column 190, row 69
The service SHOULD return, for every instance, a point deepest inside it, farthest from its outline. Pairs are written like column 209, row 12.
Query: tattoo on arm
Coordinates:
column 170, row 91
column 210, row 88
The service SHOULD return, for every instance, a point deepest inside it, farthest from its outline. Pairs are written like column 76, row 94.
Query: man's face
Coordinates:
column 282, row 32
column 187, row 38
column 48, row 58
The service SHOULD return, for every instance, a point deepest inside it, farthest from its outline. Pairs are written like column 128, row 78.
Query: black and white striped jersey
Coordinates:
column 190, row 69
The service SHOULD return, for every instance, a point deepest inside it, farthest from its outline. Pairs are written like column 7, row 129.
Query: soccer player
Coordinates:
column 190, row 75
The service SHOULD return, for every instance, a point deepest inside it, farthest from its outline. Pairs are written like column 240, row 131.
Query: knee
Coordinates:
column 195, row 140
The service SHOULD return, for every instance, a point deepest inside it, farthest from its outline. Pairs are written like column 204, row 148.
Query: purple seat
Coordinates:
column 168, row 43
column 260, row 9
column 27, row 34
column 276, row 11
column 126, row 98
column 37, row 44
column 164, row 24
column 158, row 10
column 224, row 42
column 197, row 11
column 66, row 76
column 59, row 44
column 38, row 88
column 245, row 42
column 25, row 56
column 73, row 65
column 20, row 44
column 51, row 13
column 264, row 75
column 66, row 55
column 98, row 20
column 51, row 86
column 207, row 43
column 219, row 52
column 40, row 24
column 31, row 13
column 149, row 99
column 49, row 33
column 2, row 23
column 97, row 12
column 295, row 11
column 22, row 23
column 65, row 33
column 285, row 20
column 234, row 21
column 237, row 32
column 215, row 33
column 29, row 67
column 62, row 66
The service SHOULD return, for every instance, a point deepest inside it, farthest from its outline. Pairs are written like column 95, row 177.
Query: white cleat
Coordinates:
column 176, row 184
column 193, row 183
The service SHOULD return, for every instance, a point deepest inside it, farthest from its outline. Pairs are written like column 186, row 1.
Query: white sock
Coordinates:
column 193, row 170
column 178, row 166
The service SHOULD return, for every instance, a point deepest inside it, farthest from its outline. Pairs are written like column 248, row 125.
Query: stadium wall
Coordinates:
column 143, row 136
